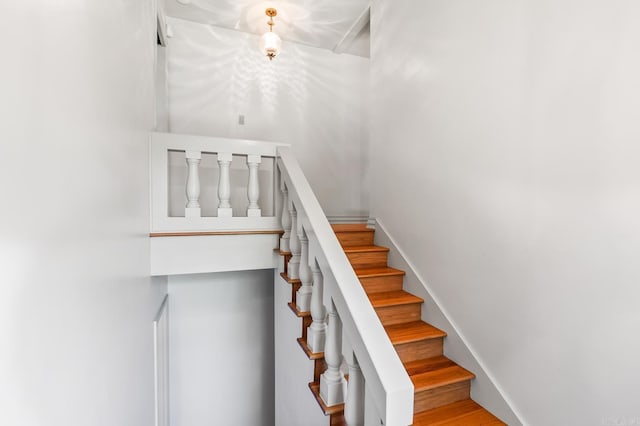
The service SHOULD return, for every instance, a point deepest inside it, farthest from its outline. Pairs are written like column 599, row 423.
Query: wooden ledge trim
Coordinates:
column 328, row 411
column 282, row 253
column 290, row 280
column 307, row 350
column 208, row 233
column 298, row 313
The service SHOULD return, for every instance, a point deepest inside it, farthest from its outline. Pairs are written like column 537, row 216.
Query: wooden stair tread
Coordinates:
column 440, row 377
column 377, row 272
column 307, row 350
column 351, row 227
column 393, row 298
column 412, row 332
column 365, row 249
column 290, row 280
column 299, row 314
column 427, row 364
column 461, row 413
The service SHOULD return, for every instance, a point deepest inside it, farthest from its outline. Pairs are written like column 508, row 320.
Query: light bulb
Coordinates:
column 270, row 44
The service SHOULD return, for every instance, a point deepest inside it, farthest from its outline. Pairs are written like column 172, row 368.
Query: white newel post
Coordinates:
column 192, row 208
column 317, row 331
column 253, row 189
column 303, row 296
column 286, row 219
column 332, row 381
column 224, row 185
column 293, row 269
column 354, row 406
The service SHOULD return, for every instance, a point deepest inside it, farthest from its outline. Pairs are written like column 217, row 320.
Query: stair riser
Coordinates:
column 398, row 314
column 337, row 420
column 376, row 259
column 353, row 239
column 443, row 395
column 378, row 284
column 419, row 350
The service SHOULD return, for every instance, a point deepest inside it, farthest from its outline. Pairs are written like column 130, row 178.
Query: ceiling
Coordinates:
column 338, row 25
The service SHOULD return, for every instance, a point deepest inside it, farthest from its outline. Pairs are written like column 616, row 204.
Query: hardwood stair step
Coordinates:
column 440, row 384
column 440, row 376
column 395, row 307
column 413, row 332
column 374, row 280
column 426, row 365
column 461, row 413
column 416, row 340
column 354, row 234
column 367, row 256
column 393, row 298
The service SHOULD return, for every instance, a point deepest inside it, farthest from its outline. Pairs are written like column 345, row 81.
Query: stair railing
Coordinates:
column 328, row 281
column 254, row 153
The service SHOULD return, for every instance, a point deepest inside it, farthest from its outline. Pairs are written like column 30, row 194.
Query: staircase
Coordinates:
column 340, row 281
column 441, row 387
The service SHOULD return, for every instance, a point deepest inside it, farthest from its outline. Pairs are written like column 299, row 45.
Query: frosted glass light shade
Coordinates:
column 270, row 44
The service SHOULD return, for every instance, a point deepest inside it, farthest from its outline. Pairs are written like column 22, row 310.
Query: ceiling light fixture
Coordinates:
column 270, row 43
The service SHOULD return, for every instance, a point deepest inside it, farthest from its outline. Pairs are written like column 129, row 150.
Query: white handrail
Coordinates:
column 387, row 380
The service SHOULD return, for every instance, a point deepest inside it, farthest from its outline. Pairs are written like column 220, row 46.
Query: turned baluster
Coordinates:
column 286, row 219
column 192, row 208
column 317, row 331
column 354, row 406
column 332, row 380
column 303, row 297
column 253, row 189
column 294, row 245
column 224, row 185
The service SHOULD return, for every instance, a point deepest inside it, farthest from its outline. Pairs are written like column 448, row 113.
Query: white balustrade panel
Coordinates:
column 205, row 155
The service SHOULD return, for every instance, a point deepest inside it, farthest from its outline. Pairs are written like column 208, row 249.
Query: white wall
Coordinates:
column 221, row 348
column 516, row 125
column 161, row 89
column 311, row 98
column 484, row 389
column 77, row 302
column 295, row 404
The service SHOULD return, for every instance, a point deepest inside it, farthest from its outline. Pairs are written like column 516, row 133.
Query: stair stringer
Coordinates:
column 483, row 388
column 294, row 403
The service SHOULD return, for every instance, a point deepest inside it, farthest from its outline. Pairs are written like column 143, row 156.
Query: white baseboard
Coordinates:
column 347, row 219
